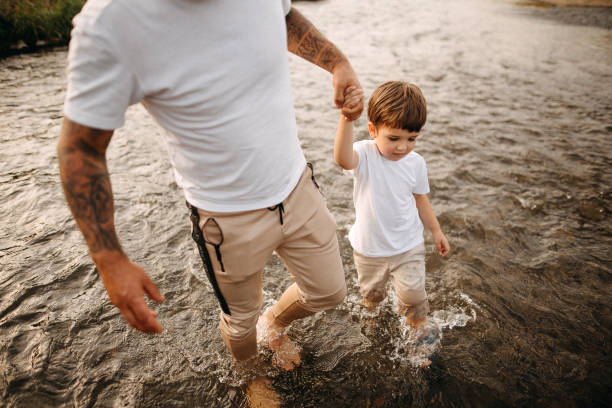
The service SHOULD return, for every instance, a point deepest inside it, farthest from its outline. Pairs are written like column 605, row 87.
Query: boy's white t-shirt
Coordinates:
column 213, row 73
column 387, row 221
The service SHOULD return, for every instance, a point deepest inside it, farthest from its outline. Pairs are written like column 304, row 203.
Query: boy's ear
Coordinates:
column 372, row 130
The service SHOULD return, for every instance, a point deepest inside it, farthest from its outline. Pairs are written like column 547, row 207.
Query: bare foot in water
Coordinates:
column 261, row 394
column 369, row 305
column 272, row 334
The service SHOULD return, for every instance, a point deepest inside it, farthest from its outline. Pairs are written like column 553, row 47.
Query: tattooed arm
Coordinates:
column 304, row 40
column 82, row 163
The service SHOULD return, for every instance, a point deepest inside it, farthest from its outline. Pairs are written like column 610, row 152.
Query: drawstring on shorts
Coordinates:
column 281, row 210
column 312, row 177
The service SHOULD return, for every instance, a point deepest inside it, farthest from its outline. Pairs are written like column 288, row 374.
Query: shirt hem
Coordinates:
column 90, row 121
column 412, row 245
column 227, row 207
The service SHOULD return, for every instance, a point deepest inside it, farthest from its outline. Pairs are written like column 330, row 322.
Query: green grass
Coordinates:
column 36, row 21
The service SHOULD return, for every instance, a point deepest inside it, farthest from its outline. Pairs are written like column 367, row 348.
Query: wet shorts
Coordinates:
column 408, row 272
column 301, row 230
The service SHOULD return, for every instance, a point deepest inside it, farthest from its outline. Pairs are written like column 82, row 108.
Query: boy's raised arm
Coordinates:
column 344, row 154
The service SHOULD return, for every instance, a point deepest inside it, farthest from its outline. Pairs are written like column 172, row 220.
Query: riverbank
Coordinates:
column 31, row 25
column 27, row 25
column 571, row 15
column 586, row 3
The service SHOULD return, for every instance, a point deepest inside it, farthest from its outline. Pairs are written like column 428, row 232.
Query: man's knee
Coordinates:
column 240, row 335
column 329, row 301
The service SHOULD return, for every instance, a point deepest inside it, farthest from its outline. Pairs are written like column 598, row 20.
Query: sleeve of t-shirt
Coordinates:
column 359, row 148
column 286, row 6
column 422, row 183
column 100, row 85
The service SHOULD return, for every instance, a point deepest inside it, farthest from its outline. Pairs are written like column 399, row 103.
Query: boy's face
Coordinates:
column 394, row 144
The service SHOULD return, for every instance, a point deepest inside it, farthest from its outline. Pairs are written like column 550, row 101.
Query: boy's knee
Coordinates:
column 410, row 297
column 414, row 311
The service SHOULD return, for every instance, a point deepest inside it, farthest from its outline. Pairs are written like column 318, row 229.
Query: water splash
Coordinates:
column 419, row 347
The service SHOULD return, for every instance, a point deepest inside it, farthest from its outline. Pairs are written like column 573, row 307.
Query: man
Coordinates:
column 215, row 75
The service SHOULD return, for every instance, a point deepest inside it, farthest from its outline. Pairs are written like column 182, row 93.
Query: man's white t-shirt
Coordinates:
column 387, row 221
column 213, row 73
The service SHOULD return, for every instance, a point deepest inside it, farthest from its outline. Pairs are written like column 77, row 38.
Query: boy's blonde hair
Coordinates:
column 399, row 105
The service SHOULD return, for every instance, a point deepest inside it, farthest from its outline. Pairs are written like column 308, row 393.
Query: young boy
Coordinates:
column 390, row 196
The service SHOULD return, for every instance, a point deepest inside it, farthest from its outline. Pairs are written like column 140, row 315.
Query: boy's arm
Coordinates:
column 81, row 152
column 345, row 156
column 304, row 40
column 431, row 223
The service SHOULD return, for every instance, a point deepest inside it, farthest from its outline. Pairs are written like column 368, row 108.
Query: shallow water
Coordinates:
column 518, row 144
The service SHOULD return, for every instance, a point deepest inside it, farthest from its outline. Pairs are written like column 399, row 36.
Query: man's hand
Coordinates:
column 126, row 283
column 441, row 243
column 344, row 81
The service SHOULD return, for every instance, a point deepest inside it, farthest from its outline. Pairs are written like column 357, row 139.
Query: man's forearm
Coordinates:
column 304, row 40
column 87, row 187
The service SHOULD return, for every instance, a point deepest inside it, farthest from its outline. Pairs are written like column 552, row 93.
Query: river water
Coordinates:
column 518, row 144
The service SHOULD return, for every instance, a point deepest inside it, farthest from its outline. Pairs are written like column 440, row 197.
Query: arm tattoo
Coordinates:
column 86, row 183
column 304, row 40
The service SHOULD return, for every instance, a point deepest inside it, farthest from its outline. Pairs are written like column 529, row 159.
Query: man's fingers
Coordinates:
column 152, row 290
column 145, row 316
column 339, row 96
column 130, row 318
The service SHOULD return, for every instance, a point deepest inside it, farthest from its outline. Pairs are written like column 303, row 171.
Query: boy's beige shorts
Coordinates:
column 305, row 241
column 408, row 272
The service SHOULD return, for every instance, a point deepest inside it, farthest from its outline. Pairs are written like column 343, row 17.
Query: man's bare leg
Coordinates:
column 369, row 304
column 273, row 323
column 271, row 333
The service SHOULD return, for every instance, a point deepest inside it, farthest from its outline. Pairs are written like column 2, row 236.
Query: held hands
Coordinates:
column 353, row 98
column 126, row 283
column 344, row 78
column 441, row 243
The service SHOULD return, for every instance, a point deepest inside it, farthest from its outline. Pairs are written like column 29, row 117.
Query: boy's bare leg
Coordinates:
column 416, row 325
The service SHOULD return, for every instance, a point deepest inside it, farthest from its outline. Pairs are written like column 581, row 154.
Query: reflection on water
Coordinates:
column 518, row 146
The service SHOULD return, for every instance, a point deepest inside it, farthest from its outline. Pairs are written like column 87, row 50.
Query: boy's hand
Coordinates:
column 441, row 243
column 353, row 98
